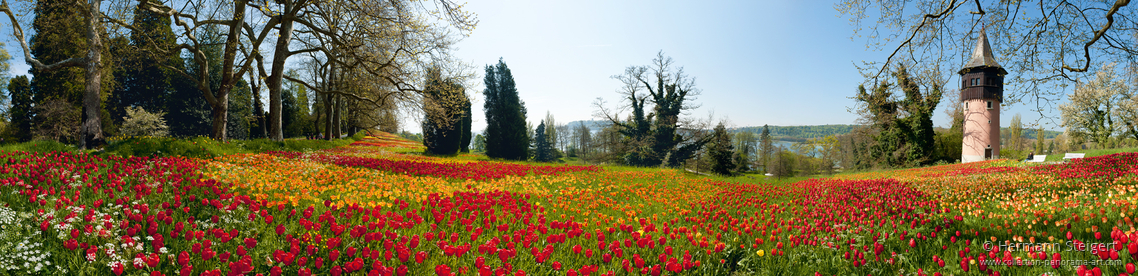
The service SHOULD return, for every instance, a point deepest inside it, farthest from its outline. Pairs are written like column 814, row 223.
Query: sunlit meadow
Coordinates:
column 380, row 207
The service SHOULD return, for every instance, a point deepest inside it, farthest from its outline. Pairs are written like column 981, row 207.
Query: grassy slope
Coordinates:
column 199, row 147
column 1092, row 153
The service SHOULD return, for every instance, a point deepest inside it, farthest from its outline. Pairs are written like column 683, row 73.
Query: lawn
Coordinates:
column 377, row 206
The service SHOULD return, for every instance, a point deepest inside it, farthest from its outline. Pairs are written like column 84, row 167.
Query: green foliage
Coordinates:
column 905, row 134
column 143, row 80
column 479, row 143
column 155, row 146
column 1014, row 139
column 543, row 149
column 783, row 163
column 139, row 122
column 240, row 111
column 38, row 146
column 57, row 120
column 467, row 122
column 766, row 148
column 1013, row 154
column 444, row 101
column 506, row 136
column 651, row 136
column 58, row 35
column 203, row 147
column 799, row 133
column 189, row 113
column 20, row 127
column 720, row 152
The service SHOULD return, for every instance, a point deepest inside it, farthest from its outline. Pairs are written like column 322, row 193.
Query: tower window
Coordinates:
column 965, row 105
column 989, row 104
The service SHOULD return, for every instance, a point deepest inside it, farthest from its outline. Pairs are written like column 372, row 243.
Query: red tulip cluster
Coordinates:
column 974, row 171
column 1107, row 167
column 483, row 170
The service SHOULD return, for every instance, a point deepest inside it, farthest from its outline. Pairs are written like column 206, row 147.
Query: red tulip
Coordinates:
column 442, row 270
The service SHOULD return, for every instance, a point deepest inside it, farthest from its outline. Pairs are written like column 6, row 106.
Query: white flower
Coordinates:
column 139, row 261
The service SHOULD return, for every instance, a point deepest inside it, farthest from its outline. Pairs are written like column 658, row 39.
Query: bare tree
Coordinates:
column 334, row 21
column 659, row 135
column 1045, row 45
column 90, row 130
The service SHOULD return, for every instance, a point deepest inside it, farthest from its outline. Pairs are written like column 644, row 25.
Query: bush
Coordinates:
column 56, row 120
column 139, row 122
column 1013, row 154
column 153, row 146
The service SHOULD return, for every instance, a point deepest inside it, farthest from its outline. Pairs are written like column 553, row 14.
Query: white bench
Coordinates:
column 1037, row 159
column 1073, row 155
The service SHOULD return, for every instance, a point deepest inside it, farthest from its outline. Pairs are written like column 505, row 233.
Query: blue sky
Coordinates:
column 774, row 62
column 757, row 62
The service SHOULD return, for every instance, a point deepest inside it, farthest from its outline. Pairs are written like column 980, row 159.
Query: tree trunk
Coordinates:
column 316, row 113
column 228, row 77
column 276, row 130
column 258, row 107
column 328, row 117
column 91, row 131
column 337, row 120
column 219, row 114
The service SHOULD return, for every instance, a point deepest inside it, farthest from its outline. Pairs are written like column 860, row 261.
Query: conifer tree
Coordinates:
column 145, row 82
column 721, row 151
column 467, row 121
column 767, row 148
column 20, row 92
column 443, row 104
column 506, row 136
column 189, row 113
column 543, row 150
column 240, row 111
column 58, row 36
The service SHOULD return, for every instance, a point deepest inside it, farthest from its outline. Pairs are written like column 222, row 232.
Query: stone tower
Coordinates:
column 981, row 91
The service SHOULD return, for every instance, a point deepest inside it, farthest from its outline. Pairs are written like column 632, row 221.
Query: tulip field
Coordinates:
column 381, row 207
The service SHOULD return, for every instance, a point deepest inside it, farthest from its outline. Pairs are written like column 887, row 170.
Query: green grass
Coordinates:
column 1091, row 153
column 201, row 147
column 38, row 146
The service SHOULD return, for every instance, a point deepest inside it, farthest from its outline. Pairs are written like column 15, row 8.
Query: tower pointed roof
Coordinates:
column 982, row 55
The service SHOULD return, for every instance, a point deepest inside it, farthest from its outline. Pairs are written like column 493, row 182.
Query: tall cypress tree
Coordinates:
column 505, row 115
column 467, row 121
column 20, row 92
column 542, row 146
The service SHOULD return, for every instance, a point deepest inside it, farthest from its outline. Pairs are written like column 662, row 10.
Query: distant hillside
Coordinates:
column 800, row 133
column 782, row 133
column 1030, row 133
column 594, row 125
